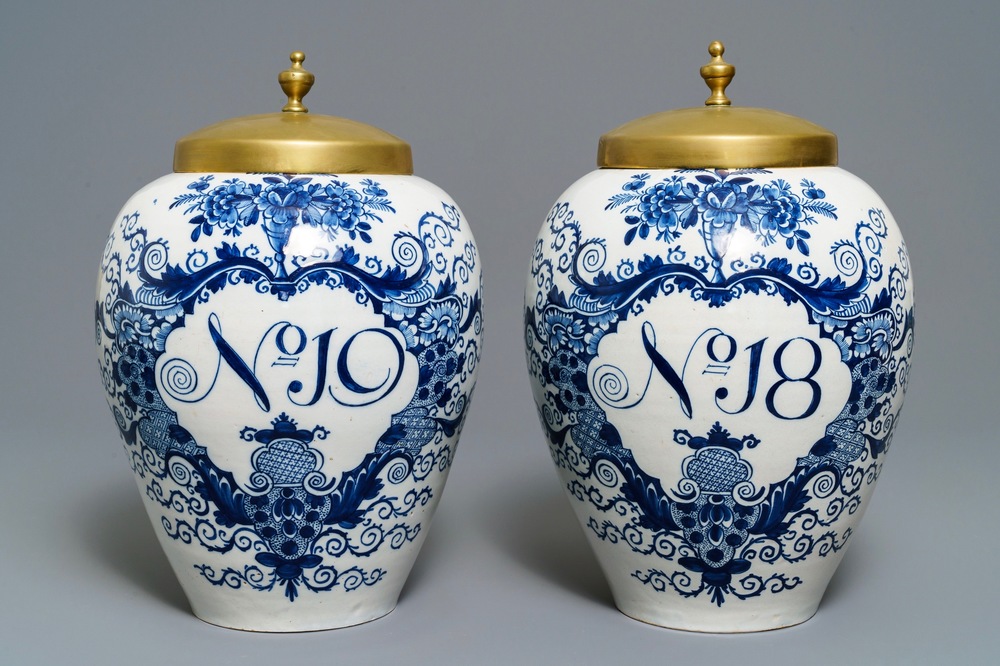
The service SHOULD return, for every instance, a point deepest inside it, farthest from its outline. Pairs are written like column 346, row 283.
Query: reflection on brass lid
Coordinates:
column 717, row 135
column 292, row 141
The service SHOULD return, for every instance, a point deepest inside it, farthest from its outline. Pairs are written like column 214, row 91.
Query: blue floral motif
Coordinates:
column 160, row 334
column 225, row 206
column 440, row 322
column 719, row 200
column 563, row 330
column 283, row 202
column 657, row 212
column 133, row 325
column 784, row 218
column 719, row 528
column 721, row 203
column 873, row 336
column 292, row 517
column 593, row 339
column 345, row 209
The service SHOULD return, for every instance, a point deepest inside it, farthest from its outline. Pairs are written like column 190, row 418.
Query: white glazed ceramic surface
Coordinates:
column 719, row 359
column 290, row 360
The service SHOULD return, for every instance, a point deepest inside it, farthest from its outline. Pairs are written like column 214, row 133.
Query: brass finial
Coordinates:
column 296, row 82
column 717, row 74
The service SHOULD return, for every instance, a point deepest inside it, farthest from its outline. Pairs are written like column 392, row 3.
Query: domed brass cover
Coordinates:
column 293, row 141
column 717, row 135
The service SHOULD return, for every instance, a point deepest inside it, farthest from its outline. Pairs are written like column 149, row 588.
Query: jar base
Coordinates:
column 297, row 623
column 727, row 623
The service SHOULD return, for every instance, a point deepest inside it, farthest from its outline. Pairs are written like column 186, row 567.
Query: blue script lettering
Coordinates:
column 724, row 355
column 281, row 350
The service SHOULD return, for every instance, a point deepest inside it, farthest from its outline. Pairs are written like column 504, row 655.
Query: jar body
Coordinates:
column 719, row 359
column 290, row 360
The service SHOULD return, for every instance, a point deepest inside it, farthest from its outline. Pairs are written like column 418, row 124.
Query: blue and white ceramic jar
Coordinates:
column 289, row 329
column 719, row 325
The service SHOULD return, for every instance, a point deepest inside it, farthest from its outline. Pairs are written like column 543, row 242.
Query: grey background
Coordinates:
column 503, row 104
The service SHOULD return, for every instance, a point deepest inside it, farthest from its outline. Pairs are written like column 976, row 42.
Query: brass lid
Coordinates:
column 293, row 141
column 717, row 135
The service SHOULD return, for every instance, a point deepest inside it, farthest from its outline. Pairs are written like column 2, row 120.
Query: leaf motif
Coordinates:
column 824, row 208
column 782, row 501
column 620, row 199
column 349, row 256
column 779, row 265
column 882, row 301
column 186, row 198
column 221, row 489
column 450, row 426
column 649, row 263
column 783, row 186
column 446, row 288
column 227, row 251
column 382, row 205
column 649, row 495
column 604, row 278
column 357, row 486
column 630, row 235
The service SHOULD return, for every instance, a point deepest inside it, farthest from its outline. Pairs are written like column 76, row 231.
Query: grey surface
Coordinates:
column 503, row 104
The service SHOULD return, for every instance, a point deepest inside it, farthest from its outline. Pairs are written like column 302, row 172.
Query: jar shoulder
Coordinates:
column 820, row 225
